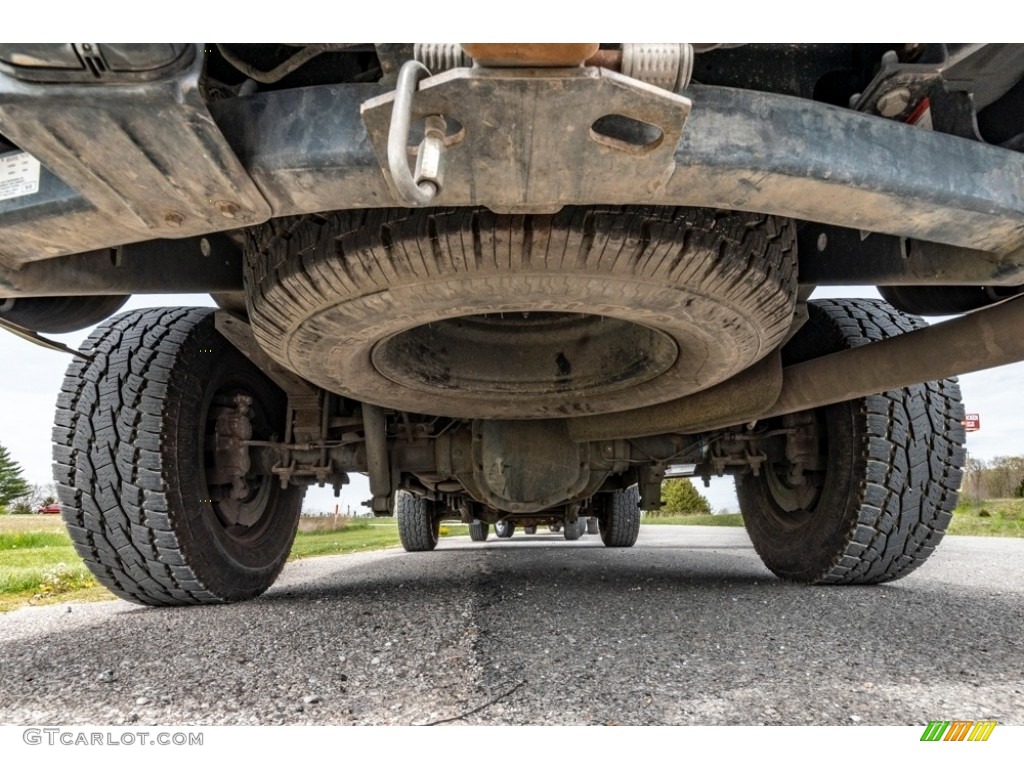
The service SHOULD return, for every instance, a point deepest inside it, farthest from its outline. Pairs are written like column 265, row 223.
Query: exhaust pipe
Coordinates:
column 985, row 338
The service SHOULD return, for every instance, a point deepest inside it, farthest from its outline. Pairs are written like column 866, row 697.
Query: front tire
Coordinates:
column 133, row 450
column 504, row 529
column 419, row 528
column 573, row 531
column 619, row 522
column 478, row 530
column 891, row 468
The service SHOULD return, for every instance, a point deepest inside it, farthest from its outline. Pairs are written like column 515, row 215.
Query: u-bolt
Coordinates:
column 420, row 190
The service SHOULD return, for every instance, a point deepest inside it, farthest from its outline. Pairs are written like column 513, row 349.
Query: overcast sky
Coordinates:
column 30, row 378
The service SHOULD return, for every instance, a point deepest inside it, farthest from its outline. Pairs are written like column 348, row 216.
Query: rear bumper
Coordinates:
column 128, row 163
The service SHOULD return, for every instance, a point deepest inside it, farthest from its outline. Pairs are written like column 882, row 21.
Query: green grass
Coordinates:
column 995, row 517
column 729, row 521
column 32, row 540
column 355, row 536
column 38, row 564
column 320, row 538
column 16, row 523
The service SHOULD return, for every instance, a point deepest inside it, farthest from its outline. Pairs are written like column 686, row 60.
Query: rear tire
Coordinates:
column 419, row 528
column 593, row 526
column 132, row 453
column 891, row 468
column 504, row 529
column 620, row 522
column 530, row 530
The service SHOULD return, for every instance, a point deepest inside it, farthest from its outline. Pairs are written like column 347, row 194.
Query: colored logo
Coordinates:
column 958, row 730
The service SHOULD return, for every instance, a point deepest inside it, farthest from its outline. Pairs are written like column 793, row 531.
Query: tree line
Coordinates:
column 998, row 478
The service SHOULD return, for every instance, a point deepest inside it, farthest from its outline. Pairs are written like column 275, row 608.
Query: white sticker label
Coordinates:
column 19, row 175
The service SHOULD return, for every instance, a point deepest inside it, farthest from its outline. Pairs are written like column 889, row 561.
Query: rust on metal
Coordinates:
column 530, row 54
column 606, row 58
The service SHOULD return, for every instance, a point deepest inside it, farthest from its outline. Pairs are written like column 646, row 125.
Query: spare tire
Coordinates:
column 471, row 314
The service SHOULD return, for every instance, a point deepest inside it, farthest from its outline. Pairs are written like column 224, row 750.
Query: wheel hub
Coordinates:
column 525, row 353
column 795, row 483
column 794, row 500
column 239, row 494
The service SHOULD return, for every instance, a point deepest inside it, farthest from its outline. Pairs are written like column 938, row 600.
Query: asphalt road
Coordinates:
column 687, row 628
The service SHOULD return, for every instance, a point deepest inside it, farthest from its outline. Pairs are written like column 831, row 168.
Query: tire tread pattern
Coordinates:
column 479, row 530
column 573, row 531
column 914, row 446
column 417, row 528
column 107, row 459
column 298, row 266
column 620, row 526
column 116, row 470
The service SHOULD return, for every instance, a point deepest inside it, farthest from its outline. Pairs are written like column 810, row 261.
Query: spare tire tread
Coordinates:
column 298, row 269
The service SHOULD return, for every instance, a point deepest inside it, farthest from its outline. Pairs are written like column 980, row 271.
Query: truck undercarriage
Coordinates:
column 513, row 284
